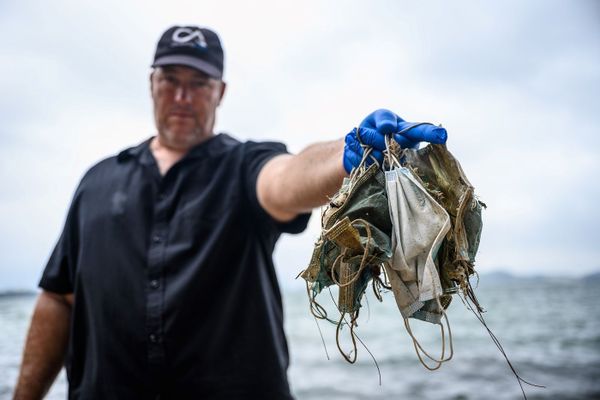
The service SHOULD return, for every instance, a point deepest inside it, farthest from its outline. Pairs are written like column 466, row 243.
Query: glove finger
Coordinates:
column 351, row 159
column 379, row 119
column 378, row 156
column 405, row 142
column 386, row 121
column 424, row 133
column 353, row 144
column 373, row 138
column 369, row 121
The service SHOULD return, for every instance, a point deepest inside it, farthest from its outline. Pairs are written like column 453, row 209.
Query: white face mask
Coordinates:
column 419, row 227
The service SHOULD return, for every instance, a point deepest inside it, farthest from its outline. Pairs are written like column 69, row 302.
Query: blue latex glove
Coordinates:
column 378, row 124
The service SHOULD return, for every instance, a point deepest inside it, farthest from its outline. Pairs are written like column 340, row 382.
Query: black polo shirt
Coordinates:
column 175, row 291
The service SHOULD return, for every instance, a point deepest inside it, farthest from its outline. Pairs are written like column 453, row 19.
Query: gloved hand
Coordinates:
column 378, row 124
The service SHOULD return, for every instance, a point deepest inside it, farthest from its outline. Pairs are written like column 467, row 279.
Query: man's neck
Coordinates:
column 165, row 156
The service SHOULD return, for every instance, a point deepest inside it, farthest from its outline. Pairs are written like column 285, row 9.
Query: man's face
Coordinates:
column 185, row 103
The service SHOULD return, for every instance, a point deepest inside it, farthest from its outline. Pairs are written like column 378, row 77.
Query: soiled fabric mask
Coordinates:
column 354, row 242
column 420, row 225
column 355, row 239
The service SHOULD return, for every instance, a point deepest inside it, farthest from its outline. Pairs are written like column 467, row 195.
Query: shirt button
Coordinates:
column 154, row 338
column 154, row 284
column 156, row 239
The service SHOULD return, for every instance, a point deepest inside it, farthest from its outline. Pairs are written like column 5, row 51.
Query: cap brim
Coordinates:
column 189, row 61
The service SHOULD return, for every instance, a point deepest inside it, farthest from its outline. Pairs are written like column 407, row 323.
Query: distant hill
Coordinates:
column 506, row 277
column 497, row 276
column 593, row 277
column 16, row 293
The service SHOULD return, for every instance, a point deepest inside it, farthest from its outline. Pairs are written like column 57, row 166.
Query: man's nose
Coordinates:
column 183, row 94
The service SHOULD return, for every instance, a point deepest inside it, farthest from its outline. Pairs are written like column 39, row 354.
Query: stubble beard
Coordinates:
column 183, row 141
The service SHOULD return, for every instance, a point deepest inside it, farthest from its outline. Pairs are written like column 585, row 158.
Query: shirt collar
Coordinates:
column 211, row 147
column 133, row 152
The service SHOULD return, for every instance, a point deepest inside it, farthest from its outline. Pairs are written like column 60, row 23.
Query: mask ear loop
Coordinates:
column 367, row 150
column 365, row 260
column 351, row 359
column 360, row 169
column 419, row 348
column 318, row 312
column 390, row 157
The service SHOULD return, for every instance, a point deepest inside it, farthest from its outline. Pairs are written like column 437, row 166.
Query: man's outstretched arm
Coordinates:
column 291, row 184
column 45, row 346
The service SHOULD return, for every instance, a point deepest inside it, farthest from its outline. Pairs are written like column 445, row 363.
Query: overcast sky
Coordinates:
column 515, row 83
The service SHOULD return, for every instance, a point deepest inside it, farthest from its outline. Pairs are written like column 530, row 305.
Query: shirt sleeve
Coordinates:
column 58, row 276
column 256, row 155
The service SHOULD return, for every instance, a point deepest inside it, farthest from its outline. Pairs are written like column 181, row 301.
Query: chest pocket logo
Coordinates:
column 118, row 201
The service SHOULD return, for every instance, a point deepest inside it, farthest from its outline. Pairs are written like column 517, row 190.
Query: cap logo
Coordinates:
column 189, row 36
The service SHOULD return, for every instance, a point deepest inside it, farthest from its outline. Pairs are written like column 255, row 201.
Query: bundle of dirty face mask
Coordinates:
column 411, row 226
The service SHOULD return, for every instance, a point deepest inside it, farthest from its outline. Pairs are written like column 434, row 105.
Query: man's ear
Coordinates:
column 223, row 88
column 151, row 80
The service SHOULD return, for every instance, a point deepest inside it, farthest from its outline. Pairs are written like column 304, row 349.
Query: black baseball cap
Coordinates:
column 191, row 46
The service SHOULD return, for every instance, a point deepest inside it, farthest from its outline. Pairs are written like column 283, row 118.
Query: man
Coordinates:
column 162, row 283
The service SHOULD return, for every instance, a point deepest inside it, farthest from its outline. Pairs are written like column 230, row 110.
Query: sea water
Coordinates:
column 550, row 329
